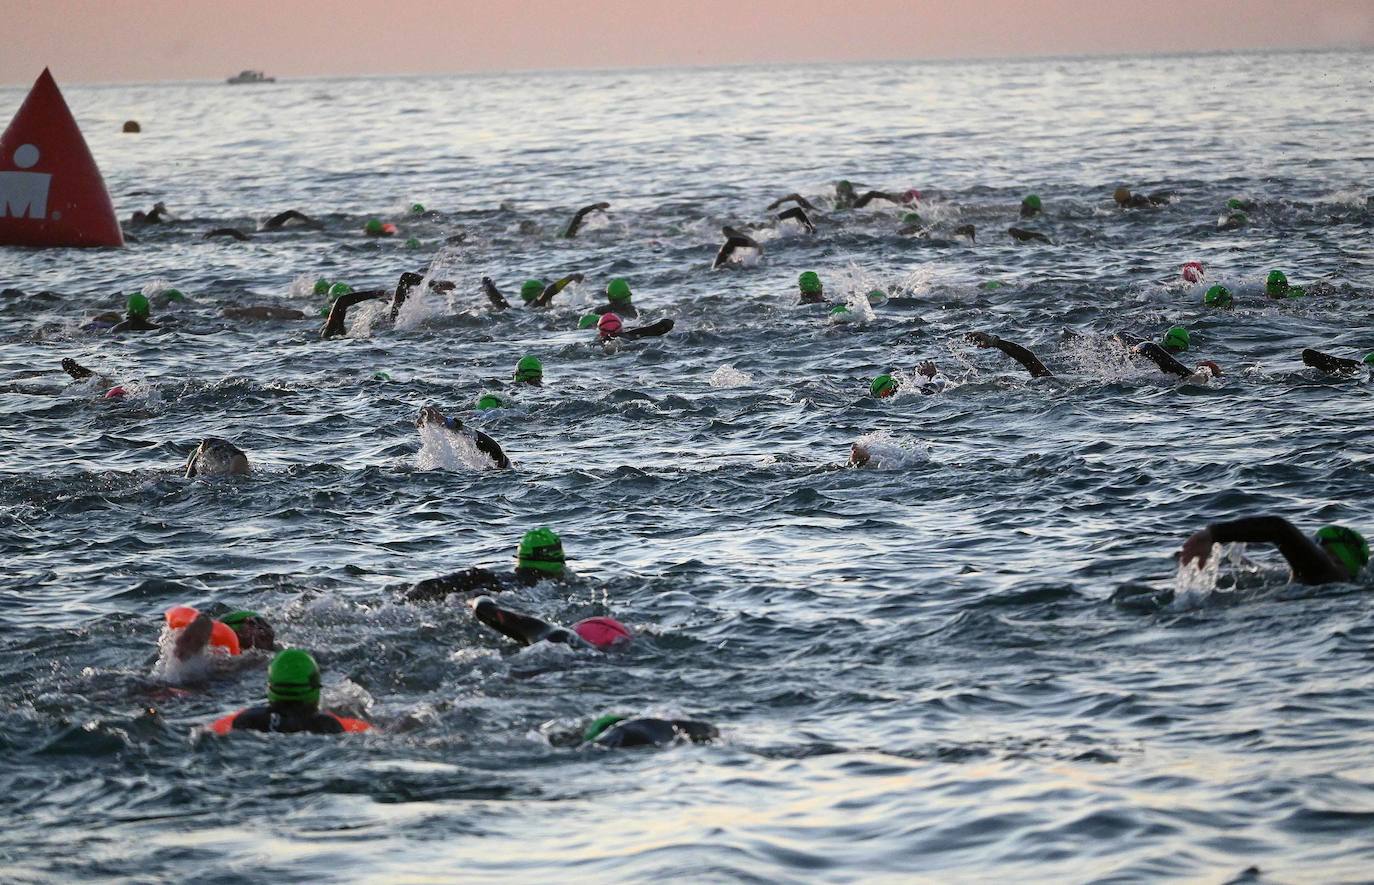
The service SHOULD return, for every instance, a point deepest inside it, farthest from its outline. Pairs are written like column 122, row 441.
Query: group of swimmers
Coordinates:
column 1333, row 554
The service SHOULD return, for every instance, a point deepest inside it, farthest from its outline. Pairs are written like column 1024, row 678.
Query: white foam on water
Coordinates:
column 441, row 449
column 729, row 376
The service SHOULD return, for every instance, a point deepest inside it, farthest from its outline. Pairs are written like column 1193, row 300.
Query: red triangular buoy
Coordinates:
column 51, row 193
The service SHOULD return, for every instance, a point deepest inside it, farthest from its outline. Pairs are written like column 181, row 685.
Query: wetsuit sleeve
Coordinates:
column 466, row 581
column 493, row 294
column 696, row 732
column 792, row 198
column 662, row 327
column 1028, row 360
column 1165, row 360
column 875, row 195
column 1325, row 362
column 252, row 719
column 799, row 216
column 1309, row 562
column 325, row 723
column 281, row 218
column 555, row 287
column 491, row 448
column 524, row 629
column 226, row 232
column 582, row 213
column 404, row 286
column 338, row 312
column 639, row 733
column 1129, row 340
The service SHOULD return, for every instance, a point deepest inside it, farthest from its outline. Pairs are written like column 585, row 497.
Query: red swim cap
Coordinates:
column 1192, row 271
column 115, row 392
column 603, row 632
column 609, row 325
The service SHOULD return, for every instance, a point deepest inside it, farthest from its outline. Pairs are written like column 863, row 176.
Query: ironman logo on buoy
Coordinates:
column 51, row 193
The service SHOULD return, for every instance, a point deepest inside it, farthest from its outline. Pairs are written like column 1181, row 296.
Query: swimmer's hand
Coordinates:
column 859, row 455
column 194, row 637
column 981, row 339
column 927, row 369
column 1197, row 548
column 431, row 415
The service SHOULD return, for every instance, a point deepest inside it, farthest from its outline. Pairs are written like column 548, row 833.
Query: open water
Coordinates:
column 918, row 670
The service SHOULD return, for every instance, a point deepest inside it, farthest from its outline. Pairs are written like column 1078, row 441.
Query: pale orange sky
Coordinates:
column 140, row 40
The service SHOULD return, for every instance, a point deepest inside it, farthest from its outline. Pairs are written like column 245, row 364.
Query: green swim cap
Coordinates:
column 1238, row 218
column 843, row 183
column 488, row 401
column 1176, row 339
column 373, row 226
column 990, row 285
column 1347, row 545
column 138, row 305
column 912, row 218
column 293, row 675
column 381, row 375
column 883, row 385
column 173, row 295
column 1369, row 359
column 1217, row 296
column 1276, row 284
column 322, row 286
column 531, row 289
column 618, row 290
column 417, row 208
column 1032, row 201
column 839, row 310
column 877, row 296
column 413, row 243
column 588, row 320
column 529, row 369
column 233, row 619
column 339, row 289
column 809, row 283
column 542, row 550
column 599, row 725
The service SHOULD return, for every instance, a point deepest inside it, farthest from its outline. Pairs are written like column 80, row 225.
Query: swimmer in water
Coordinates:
column 845, row 198
column 538, row 558
column 1335, row 554
column 619, row 300
column 1021, row 235
column 576, row 223
column 1162, row 355
column 1276, row 286
column 293, row 702
column 809, row 289
column 906, row 198
column 798, row 215
column 217, row 457
column 158, row 214
column 79, row 372
column 1028, row 360
column 734, row 240
column 1031, row 206
column 429, row 415
column 801, row 202
column 533, row 292
column 885, row 385
column 622, row 732
column 529, row 370
column 336, row 323
column 282, row 219
column 600, row 633
column 1156, row 354
column 1322, row 362
column 234, row 632
column 137, row 317
column 1127, row 200
column 610, row 328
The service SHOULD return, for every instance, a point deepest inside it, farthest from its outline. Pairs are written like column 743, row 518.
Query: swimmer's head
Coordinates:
column 608, row 326
column 1346, row 546
column 489, row 401
column 618, row 290
column 339, row 289
column 599, row 725
column 883, row 386
column 173, row 295
column 252, row 630
column 1032, row 203
column 529, row 370
column 1218, row 296
column 1235, row 203
column 1210, row 368
column 912, row 218
column 530, row 290
column 1122, row 195
column 294, row 676
column 1369, row 359
column 322, row 286
column 602, row 632
column 541, row 550
column 588, row 320
column 138, row 305
column 877, row 297
column 1276, row 284
column 417, row 208
column 809, row 283
column 1193, row 272
column 373, row 227
column 911, row 195
column 1176, row 340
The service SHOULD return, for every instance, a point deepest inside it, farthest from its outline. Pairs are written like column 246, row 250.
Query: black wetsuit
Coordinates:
column 1309, row 562
column 1156, row 354
column 621, row 309
column 792, row 198
column 500, row 303
column 656, row 733
column 1028, row 360
column 472, row 580
column 276, row 222
column 662, row 327
column 132, row 323
column 798, row 215
column 1331, row 365
column 576, row 223
column 524, row 629
column 733, row 240
column 288, row 717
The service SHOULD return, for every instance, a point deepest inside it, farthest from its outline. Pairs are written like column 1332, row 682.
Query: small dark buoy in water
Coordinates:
column 132, row 126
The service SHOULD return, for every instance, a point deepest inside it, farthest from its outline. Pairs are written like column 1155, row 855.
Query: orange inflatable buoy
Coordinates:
column 224, row 724
column 221, row 634
column 51, row 192
column 352, row 725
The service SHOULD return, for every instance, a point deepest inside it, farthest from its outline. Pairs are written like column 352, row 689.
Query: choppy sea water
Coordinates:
column 918, row 670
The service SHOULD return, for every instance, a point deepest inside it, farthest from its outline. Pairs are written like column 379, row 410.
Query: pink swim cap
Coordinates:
column 912, row 196
column 608, row 325
column 115, row 392
column 603, row 632
column 1192, row 271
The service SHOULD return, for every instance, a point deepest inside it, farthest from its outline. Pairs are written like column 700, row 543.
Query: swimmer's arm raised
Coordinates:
column 792, row 198
column 554, row 288
column 1162, row 358
column 662, row 327
column 494, row 295
column 582, row 213
column 877, row 195
column 1325, row 362
column 1309, row 562
column 796, row 214
column 1028, row 360
column 338, row 312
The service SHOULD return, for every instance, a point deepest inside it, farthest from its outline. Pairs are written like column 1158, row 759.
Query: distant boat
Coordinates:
column 251, row 77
